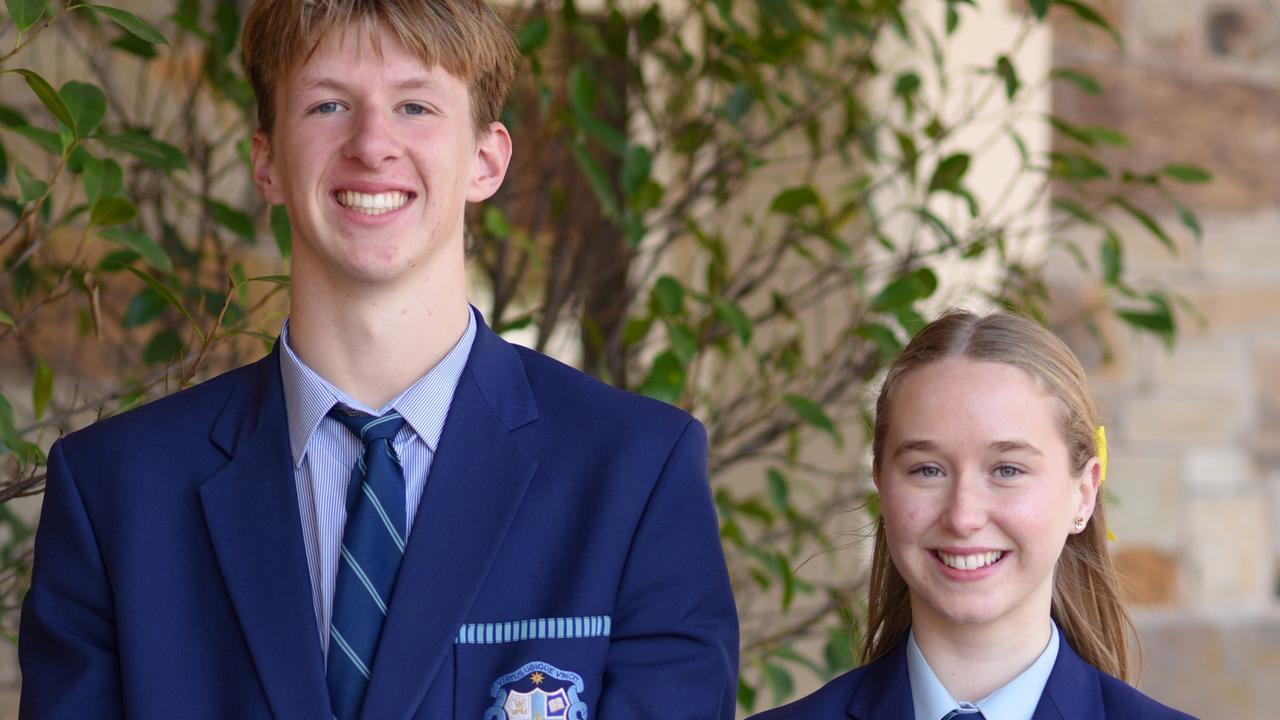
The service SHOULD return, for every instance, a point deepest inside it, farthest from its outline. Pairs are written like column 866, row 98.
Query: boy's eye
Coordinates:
column 929, row 471
column 1008, row 472
column 414, row 109
column 327, row 108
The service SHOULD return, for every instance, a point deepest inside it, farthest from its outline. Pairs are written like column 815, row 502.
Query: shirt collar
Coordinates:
column 424, row 404
column 1016, row 700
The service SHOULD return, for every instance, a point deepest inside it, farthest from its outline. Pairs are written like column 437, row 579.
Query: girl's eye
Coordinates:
column 1008, row 472
column 929, row 471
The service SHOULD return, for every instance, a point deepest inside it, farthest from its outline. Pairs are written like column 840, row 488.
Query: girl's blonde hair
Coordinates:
column 1086, row 598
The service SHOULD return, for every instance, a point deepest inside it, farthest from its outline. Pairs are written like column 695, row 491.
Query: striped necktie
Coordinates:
column 964, row 714
column 372, row 545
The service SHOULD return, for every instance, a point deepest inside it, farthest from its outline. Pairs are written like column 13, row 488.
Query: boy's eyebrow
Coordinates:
column 328, row 83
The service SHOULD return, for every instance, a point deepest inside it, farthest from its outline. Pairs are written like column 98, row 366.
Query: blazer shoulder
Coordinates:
column 171, row 417
column 1122, row 700
column 561, row 388
column 827, row 703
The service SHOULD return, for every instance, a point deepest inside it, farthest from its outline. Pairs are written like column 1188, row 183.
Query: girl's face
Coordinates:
column 977, row 494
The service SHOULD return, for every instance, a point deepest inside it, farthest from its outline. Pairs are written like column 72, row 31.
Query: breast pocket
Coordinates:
column 533, row 669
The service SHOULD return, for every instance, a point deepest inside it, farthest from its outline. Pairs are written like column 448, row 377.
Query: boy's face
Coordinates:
column 375, row 158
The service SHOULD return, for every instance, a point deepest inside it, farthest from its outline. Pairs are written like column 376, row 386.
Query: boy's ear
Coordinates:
column 264, row 172
column 493, row 155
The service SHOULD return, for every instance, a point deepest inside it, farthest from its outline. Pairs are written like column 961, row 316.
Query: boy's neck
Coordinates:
column 372, row 342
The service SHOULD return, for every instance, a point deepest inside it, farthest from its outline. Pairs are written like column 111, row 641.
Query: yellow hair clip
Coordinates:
column 1100, row 440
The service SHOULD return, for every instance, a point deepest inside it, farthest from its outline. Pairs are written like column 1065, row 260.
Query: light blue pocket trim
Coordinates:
column 561, row 628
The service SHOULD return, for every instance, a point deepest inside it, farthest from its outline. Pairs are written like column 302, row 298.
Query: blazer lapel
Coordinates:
column 476, row 483
column 251, row 509
column 885, row 690
column 1073, row 689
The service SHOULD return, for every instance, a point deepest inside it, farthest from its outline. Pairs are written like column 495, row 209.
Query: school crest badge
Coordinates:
column 537, row 691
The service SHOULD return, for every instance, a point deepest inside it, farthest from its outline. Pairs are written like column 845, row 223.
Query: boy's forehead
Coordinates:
column 329, row 57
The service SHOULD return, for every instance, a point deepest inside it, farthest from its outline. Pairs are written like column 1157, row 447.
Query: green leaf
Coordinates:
column 142, row 244
column 1009, row 74
column 281, row 280
column 495, row 222
column 813, row 414
column 232, row 219
column 635, row 169
column 7, row 319
column 1107, row 136
column 135, row 46
column 1158, row 320
column 164, row 347
column 112, row 211
column 781, row 686
column 1090, row 16
column 168, row 296
column 597, row 179
column 533, row 35
column 668, row 295
column 1075, row 210
column 1087, row 83
column 86, row 104
column 1187, row 173
column 144, row 307
column 1112, row 252
column 131, row 23
column 282, row 230
column 666, row 378
column 582, row 90
column 746, row 695
column 1191, row 222
column 1039, row 7
column 734, row 316
column 48, row 96
column 32, row 188
column 683, row 341
column 792, row 200
column 778, row 492
column 41, row 388
column 1148, row 222
column 26, row 13
column 9, row 117
column 949, row 173
column 9, row 436
column 905, row 290
column 226, row 27
column 883, row 337
column 153, row 152
column 48, row 140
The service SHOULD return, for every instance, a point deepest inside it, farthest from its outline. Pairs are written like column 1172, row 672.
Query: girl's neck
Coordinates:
column 972, row 661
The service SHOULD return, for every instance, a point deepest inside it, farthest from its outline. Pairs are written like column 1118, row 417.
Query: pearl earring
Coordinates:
column 1080, row 523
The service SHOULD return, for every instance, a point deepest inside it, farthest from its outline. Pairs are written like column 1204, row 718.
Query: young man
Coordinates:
column 395, row 514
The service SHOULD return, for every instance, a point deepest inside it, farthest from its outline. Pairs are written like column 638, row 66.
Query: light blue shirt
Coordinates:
column 1017, row 700
column 324, row 452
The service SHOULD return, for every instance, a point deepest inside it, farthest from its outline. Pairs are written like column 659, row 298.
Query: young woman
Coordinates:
column 992, row 595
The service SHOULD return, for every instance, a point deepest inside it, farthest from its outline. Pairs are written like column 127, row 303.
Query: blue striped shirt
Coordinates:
column 324, row 452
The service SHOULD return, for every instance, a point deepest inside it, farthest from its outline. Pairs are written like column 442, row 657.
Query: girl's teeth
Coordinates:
column 969, row 562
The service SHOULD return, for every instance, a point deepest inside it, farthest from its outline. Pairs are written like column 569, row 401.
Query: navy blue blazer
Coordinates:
column 565, row 557
column 881, row 690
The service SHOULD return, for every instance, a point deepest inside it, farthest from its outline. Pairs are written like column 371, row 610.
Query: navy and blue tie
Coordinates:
column 964, row 714
column 372, row 545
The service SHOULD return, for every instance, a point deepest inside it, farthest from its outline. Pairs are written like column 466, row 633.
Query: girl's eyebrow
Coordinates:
column 1015, row 446
column 907, row 446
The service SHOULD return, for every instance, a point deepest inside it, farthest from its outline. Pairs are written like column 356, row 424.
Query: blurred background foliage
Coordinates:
column 738, row 207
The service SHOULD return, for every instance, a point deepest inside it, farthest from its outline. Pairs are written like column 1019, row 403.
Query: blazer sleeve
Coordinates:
column 673, row 649
column 67, row 635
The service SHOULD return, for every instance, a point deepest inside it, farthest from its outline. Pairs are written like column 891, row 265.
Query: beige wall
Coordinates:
column 1196, row 431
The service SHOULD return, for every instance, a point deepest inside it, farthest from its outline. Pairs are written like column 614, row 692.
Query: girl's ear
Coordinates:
column 1086, row 489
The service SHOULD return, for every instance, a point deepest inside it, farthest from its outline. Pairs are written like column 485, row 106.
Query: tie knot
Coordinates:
column 367, row 427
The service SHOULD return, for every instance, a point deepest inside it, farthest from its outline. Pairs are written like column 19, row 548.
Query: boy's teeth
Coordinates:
column 372, row 204
column 969, row 562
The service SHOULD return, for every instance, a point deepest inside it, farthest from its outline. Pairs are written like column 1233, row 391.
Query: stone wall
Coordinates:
column 1195, row 431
